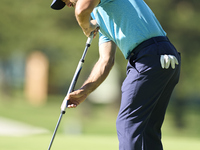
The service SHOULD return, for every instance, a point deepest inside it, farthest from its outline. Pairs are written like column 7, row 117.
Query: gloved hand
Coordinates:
column 166, row 60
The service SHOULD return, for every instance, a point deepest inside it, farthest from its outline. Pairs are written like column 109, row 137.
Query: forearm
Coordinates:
column 83, row 18
column 102, row 68
column 98, row 74
column 83, row 12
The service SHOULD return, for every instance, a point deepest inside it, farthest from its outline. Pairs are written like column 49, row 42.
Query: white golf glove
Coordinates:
column 166, row 60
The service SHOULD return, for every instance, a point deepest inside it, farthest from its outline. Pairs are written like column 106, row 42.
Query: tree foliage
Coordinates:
column 31, row 25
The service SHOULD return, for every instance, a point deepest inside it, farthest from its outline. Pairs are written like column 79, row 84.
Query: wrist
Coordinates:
column 87, row 88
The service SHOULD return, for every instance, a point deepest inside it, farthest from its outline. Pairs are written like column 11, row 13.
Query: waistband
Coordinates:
column 148, row 42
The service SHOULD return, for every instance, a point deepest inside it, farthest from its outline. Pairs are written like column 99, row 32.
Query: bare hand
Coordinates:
column 75, row 98
column 94, row 27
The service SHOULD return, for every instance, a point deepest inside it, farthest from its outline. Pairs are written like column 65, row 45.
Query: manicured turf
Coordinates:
column 61, row 142
column 181, row 143
column 86, row 142
column 95, row 122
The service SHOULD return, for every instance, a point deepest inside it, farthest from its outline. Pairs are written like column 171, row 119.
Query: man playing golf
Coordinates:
column 153, row 67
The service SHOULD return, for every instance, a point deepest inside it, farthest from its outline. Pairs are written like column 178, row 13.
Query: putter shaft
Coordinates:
column 71, row 88
column 57, row 125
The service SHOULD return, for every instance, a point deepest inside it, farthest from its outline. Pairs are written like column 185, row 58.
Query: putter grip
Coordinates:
column 89, row 40
column 64, row 105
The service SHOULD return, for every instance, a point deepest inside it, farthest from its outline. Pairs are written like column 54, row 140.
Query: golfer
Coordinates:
column 152, row 71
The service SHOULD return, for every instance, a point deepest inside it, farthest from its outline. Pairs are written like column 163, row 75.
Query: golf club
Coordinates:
column 72, row 85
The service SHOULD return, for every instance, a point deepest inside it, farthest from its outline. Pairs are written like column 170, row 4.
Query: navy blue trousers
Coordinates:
column 145, row 95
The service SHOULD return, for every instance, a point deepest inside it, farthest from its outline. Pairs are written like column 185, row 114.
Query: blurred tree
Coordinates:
column 32, row 25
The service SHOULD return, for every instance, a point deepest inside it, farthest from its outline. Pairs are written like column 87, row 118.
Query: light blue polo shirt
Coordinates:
column 126, row 22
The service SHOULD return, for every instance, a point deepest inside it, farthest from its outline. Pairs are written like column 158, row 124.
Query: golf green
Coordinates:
column 85, row 142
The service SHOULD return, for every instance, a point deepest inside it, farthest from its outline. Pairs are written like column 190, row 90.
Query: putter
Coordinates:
column 72, row 85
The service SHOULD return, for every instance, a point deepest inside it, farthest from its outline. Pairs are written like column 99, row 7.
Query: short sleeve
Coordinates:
column 103, row 39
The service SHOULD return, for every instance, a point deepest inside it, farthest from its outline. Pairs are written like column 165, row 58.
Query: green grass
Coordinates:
column 94, row 123
column 61, row 142
column 93, row 119
column 86, row 142
column 181, row 143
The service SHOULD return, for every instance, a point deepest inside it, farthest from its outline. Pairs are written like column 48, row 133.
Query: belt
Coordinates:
column 146, row 43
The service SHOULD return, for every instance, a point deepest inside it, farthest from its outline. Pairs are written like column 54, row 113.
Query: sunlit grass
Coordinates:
column 86, row 142
column 87, row 127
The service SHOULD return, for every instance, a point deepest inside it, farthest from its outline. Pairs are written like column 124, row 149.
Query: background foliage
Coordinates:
column 31, row 25
column 26, row 26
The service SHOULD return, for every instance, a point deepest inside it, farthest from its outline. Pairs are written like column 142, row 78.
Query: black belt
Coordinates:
column 146, row 43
